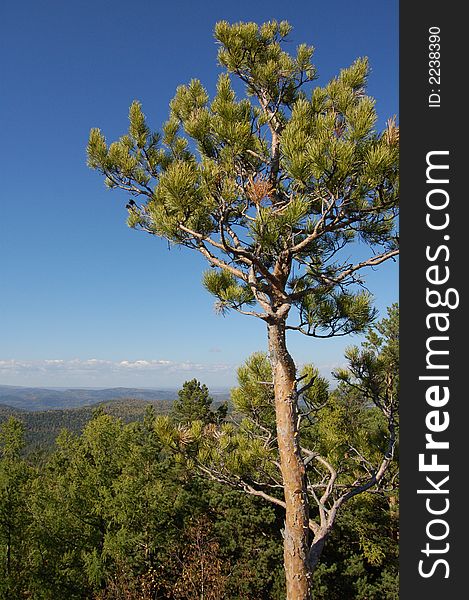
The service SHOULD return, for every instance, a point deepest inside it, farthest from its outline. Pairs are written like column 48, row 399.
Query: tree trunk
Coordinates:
column 296, row 537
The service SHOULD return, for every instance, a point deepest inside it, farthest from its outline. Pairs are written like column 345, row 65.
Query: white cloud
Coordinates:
column 97, row 372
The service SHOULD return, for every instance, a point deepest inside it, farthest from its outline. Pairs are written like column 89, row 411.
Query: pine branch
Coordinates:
column 330, row 282
column 220, row 263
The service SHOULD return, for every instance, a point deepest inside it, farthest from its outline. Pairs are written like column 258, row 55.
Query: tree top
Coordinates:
column 275, row 189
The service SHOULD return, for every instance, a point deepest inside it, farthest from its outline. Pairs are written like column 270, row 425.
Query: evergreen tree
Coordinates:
column 272, row 190
column 15, row 518
column 193, row 403
column 349, row 439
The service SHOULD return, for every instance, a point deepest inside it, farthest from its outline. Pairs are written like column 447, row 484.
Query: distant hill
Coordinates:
column 32, row 398
column 44, row 424
column 43, row 427
column 38, row 399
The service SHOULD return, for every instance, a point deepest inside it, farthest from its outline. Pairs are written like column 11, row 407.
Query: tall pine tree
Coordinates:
column 276, row 190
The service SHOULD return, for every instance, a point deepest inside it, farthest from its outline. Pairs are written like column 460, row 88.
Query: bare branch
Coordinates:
column 221, row 263
column 307, row 386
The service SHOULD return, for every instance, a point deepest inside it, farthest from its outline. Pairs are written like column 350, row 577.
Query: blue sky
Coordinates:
column 85, row 301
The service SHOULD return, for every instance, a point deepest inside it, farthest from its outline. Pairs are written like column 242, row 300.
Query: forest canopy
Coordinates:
column 119, row 511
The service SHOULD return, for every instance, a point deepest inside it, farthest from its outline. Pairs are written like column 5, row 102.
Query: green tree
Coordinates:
column 194, row 403
column 15, row 518
column 348, row 439
column 72, row 505
column 358, row 431
column 248, row 532
column 272, row 190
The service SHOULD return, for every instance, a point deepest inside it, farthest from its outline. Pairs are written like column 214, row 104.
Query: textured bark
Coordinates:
column 296, row 536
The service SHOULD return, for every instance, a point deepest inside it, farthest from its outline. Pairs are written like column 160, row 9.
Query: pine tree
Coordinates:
column 193, row 403
column 15, row 477
column 348, row 437
column 276, row 190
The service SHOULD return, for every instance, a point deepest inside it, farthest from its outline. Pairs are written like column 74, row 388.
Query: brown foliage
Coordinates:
column 127, row 586
column 202, row 568
column 259, row 189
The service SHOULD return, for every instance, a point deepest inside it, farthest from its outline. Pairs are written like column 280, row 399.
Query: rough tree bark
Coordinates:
column 296, row 534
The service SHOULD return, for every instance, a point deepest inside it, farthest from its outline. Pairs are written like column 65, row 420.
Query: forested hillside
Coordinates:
column 134, row 505
column 43, row 427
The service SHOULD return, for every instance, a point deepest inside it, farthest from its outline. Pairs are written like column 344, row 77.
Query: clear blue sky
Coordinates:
column 83, row 298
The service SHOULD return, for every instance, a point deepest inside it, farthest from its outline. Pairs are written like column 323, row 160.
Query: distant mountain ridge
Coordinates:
column 41, row 399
